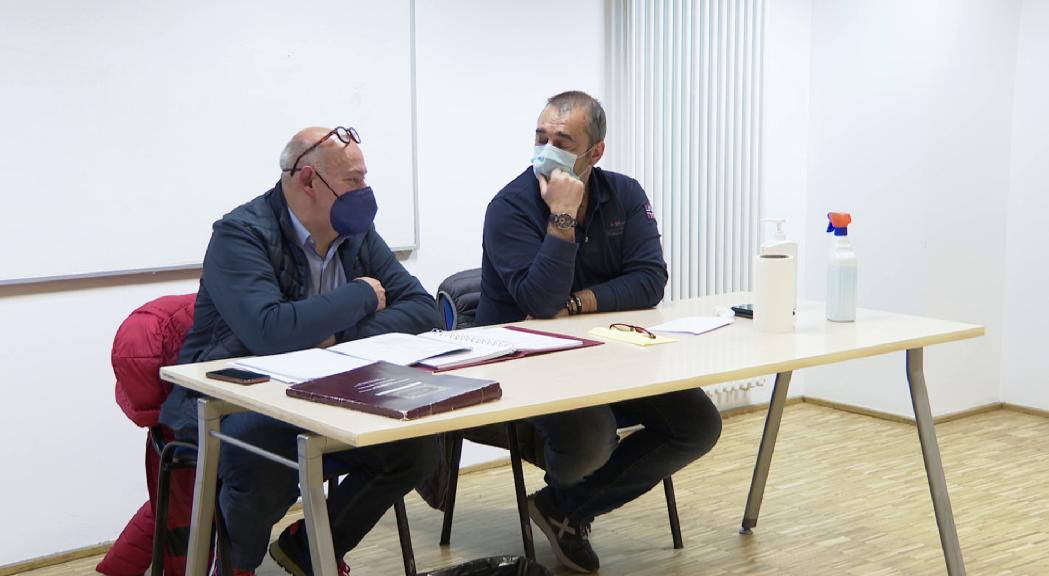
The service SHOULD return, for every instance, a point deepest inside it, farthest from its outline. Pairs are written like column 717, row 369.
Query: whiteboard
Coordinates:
column 130, row 127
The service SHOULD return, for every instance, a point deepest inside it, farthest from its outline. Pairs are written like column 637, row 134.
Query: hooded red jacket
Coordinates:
column 149, row 338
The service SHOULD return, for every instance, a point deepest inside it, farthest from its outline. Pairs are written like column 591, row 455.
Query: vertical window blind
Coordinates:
column 685, row 119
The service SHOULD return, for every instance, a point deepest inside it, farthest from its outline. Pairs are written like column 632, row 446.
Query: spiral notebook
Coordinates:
column 497, row 343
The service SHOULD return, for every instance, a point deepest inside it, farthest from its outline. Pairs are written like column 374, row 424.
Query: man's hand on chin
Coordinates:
column 561, row 192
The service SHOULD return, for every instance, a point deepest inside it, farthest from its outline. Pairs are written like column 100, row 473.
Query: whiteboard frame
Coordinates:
column 196, row 265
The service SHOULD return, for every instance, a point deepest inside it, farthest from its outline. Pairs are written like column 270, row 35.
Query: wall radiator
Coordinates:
column 685, row 119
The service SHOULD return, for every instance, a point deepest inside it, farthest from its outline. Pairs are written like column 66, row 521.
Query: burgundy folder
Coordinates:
column 397, row 391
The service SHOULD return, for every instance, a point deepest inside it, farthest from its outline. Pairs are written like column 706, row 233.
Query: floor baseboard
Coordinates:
column 55, row 559
column 1026, row 409
column 905, row 419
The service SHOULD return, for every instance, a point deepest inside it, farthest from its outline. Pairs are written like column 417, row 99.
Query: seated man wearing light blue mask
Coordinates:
column 566, row 237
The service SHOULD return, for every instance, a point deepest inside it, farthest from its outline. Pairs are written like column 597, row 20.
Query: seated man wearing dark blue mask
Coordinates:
column 566, row 237
column 298, row 267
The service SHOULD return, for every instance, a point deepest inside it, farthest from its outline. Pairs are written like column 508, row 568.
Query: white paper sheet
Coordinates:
column 295, row 367
column 397, row 348
column 692, row 325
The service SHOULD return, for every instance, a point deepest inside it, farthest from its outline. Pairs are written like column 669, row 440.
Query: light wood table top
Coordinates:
column 602, row 374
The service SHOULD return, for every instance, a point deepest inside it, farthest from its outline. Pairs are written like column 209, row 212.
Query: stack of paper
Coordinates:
column 523, row 341
column 295, row 367
column 477, row 349
column 493, row 342
column 397, row 348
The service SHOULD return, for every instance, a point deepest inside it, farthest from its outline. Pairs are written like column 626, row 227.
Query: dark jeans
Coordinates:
column 590, row 473
column 257, row 492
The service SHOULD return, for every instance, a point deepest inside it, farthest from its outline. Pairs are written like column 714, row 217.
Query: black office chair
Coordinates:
column 175, row 455
column 457, row 299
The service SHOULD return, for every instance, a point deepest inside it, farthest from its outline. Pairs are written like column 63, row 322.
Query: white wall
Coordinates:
column 484, row 70
column 785, row 148
column 1025, row 379
column 786, row 120
column 73, row 463
column 909, row 129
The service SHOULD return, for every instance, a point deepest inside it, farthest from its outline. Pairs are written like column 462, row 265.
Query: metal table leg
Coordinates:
column 768, row 445
column 404, row 533
column 209, row 415
column 315, row 505
column 456, row 438
column 941, row 502
column 519, row 489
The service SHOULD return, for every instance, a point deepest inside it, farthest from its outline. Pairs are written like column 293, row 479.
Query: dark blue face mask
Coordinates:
column 353, row 212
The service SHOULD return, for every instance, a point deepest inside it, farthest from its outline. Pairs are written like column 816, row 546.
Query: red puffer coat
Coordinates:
column 149, row 338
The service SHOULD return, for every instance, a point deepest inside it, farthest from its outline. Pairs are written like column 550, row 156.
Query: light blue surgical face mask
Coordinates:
column 547, row 157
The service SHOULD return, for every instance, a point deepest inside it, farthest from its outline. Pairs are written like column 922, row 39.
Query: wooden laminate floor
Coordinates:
column 847, row 495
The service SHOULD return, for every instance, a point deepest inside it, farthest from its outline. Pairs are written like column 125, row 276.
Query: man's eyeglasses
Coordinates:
column 631, row 328
column 345, row 135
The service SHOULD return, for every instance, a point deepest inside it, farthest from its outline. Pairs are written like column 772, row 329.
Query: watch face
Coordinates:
column 563, row 220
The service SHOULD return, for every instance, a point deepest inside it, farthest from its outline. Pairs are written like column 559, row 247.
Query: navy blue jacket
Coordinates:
column 617, row 253
column 253, row 296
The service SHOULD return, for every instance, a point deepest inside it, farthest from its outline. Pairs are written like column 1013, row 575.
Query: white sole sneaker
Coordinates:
column 540, row 521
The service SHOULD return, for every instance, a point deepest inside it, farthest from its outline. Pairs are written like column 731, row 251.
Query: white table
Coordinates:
column 580, row 378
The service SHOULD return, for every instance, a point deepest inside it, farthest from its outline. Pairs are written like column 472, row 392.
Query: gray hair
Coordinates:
column 568, row 101
column 291, row 151
column 296, row 146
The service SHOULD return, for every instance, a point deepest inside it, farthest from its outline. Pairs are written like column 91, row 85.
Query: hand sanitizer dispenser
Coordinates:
column 777, row 243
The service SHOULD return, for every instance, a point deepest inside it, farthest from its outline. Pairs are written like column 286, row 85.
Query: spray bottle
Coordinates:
column 841, row 271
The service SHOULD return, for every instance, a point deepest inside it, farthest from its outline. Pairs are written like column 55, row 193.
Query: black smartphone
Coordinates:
column 237, row 376
column 744, row 310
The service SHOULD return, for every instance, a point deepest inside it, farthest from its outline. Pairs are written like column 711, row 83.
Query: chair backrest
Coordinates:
column 149, row 338
column 457, row 298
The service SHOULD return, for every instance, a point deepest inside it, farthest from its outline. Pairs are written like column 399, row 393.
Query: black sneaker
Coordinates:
column 569, row 540
column 291, row 551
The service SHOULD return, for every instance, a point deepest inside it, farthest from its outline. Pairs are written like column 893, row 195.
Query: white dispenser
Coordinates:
column 774, row 282
column 777, row 243
column 841, row 271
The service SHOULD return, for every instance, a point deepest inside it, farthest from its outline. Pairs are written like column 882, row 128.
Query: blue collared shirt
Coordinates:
column 326, row 272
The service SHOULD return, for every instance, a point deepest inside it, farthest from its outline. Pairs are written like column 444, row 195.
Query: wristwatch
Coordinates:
column 574, row 305
column 563, row 221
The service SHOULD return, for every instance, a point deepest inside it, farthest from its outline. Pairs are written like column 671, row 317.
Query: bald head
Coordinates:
column 328, row 165
column 302, row 141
